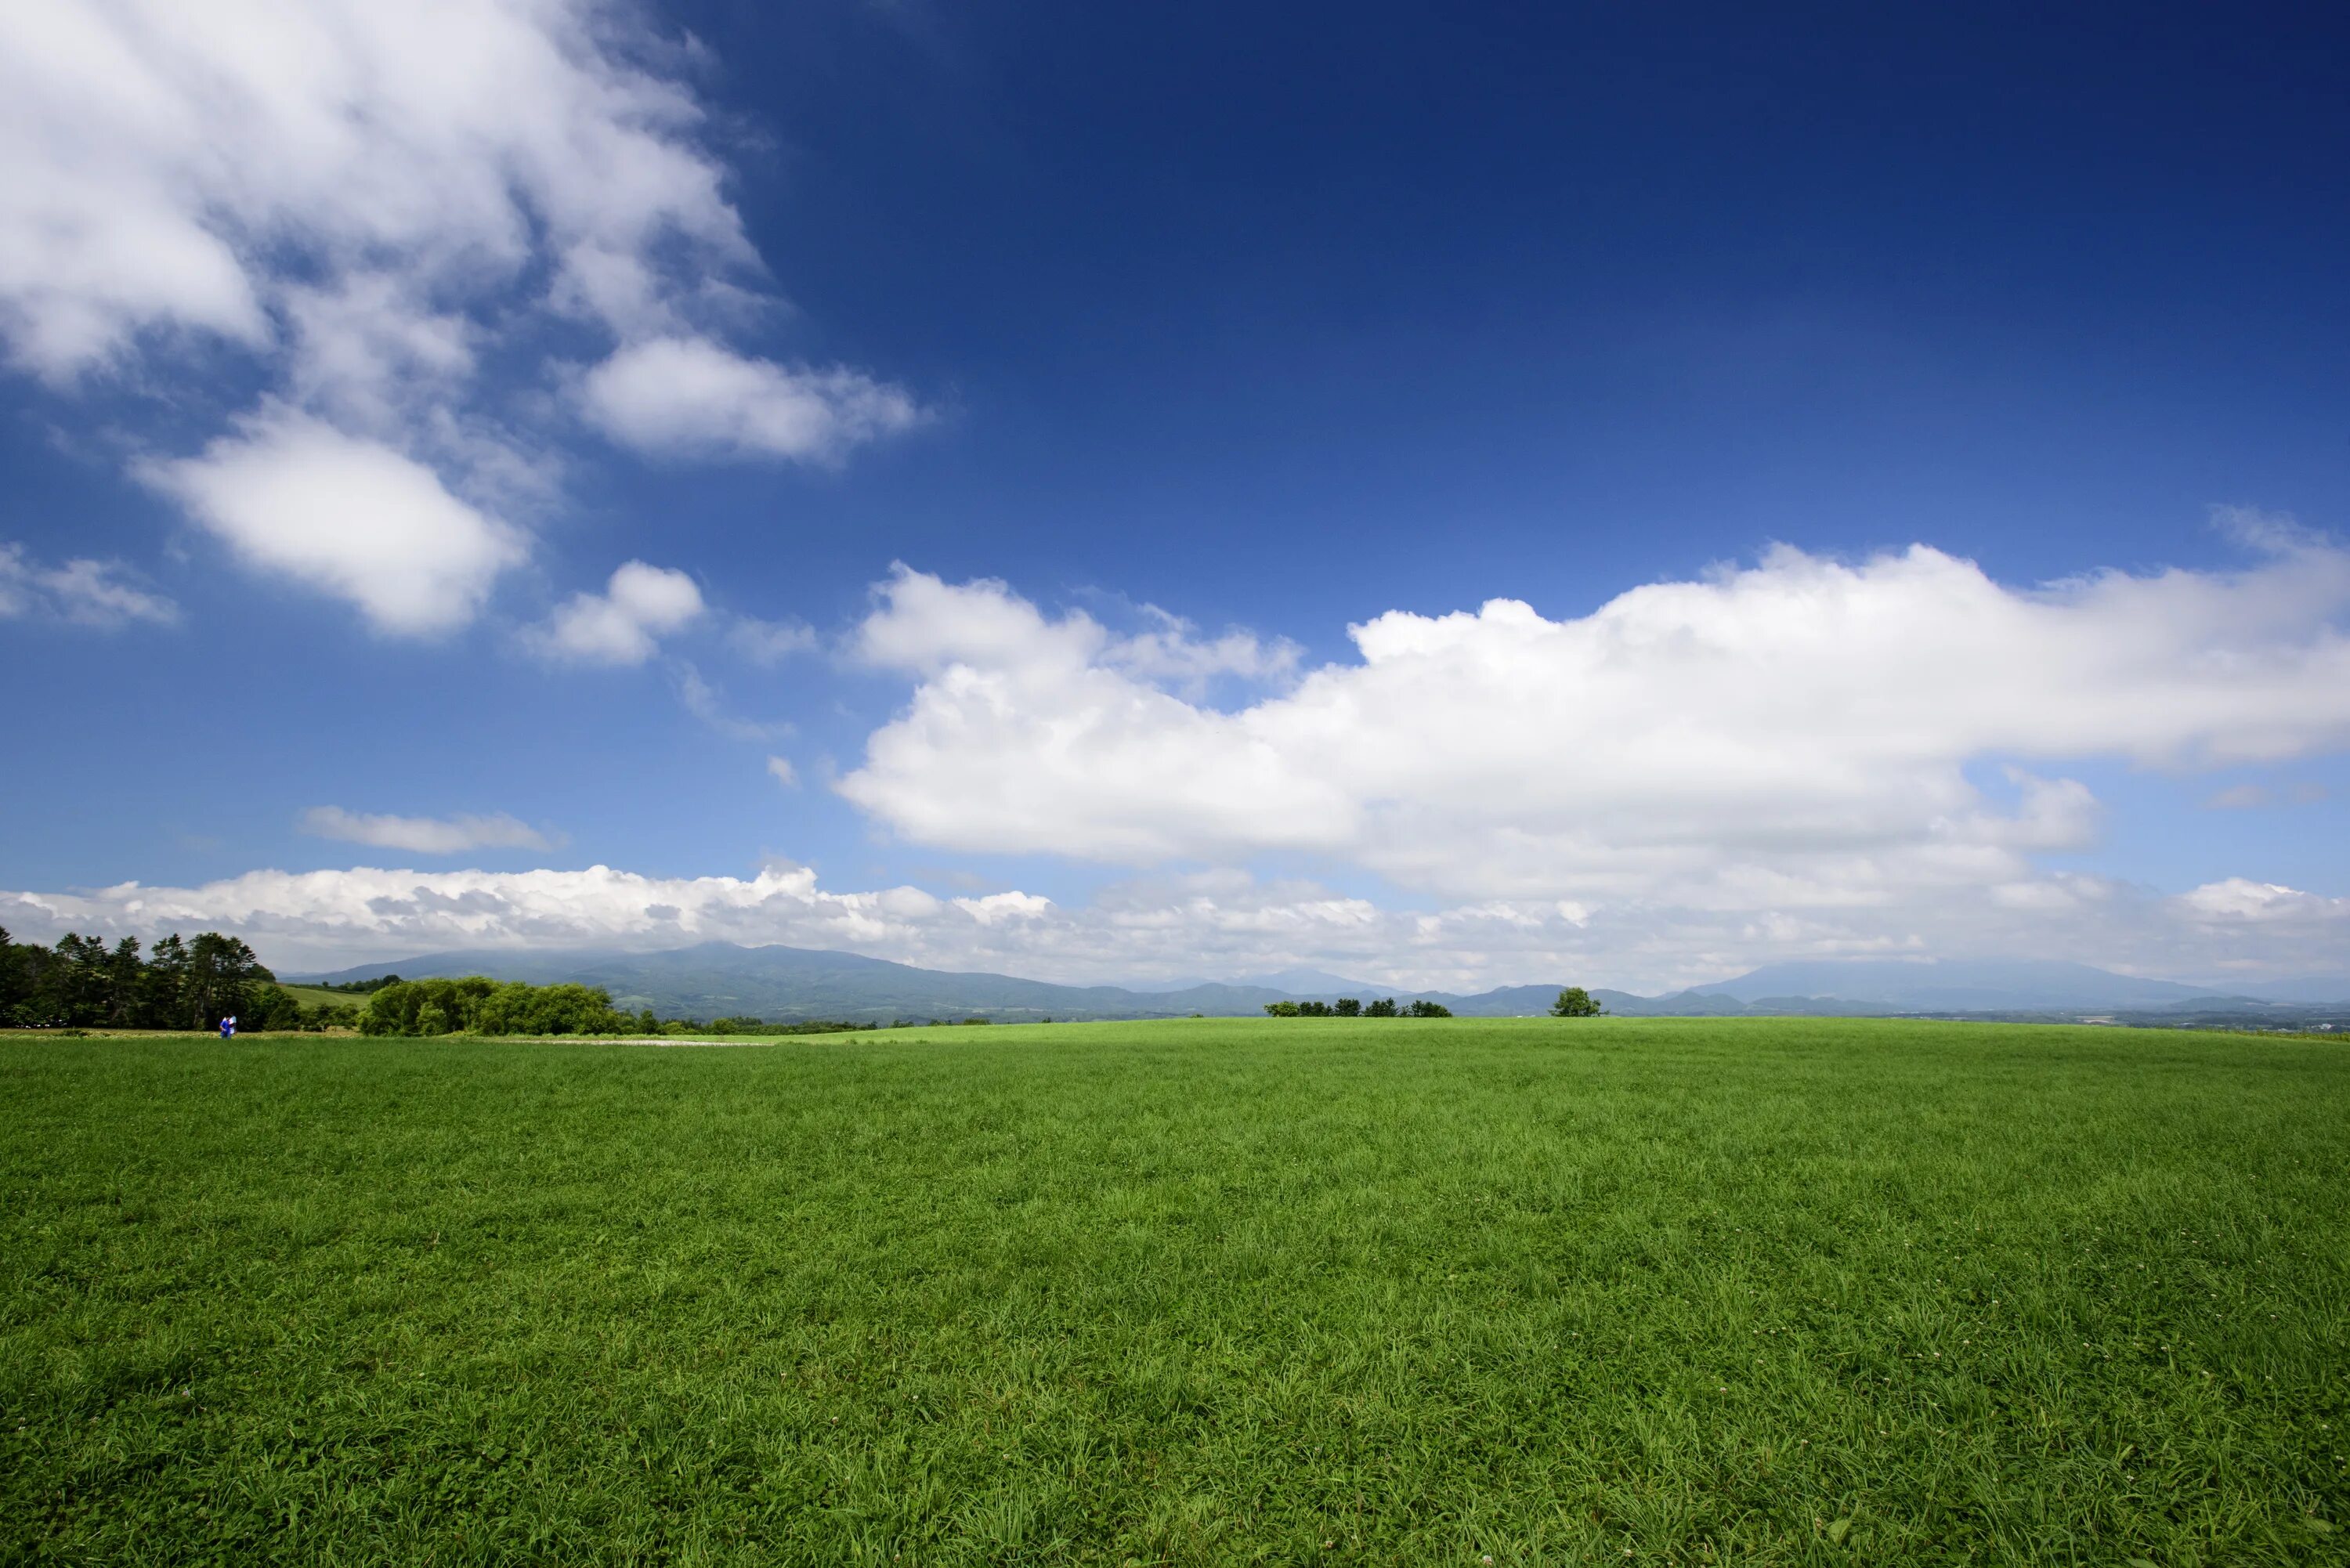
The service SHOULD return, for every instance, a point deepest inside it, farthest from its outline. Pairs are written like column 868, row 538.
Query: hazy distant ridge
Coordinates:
column 718, row 978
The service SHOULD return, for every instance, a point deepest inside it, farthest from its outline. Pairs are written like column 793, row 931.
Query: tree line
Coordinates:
column 1354, row 1007
column 84, row 982
column 479, row 1005
column 1574, row 1002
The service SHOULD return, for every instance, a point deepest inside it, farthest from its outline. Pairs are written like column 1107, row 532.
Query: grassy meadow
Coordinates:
column 313, row 997
column 1279, row 1291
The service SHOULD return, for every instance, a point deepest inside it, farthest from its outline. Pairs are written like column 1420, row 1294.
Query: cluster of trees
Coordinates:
column 1350, row 1007
column 747, row 1025
column 84, row 982
column 1574, row 1002
column 479, row 1005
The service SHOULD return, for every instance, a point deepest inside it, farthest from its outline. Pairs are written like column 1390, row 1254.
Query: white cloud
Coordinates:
column 2239, row 900
column 692, row 397
column 769, row 642
column 781, row 769
column 86, row 592
column 1173, row 654
column 326, row 916
column 199, row 169
column 624, row 624
column 372, row 202
column 1213, row 923
column 1795, row 735
column 296, row 496
column 424, row 835
column 925, row 626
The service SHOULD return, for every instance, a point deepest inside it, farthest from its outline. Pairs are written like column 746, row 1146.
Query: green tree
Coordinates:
column 40, row 1001
column 400, row 1008
column 270, row 1008
column 1423, row 1008
column 221, row 971
column 79, row 982
column 1575, row 1002
column 12, row 975
column 165, row 986
column 515, row 1008
column 1383, row 1008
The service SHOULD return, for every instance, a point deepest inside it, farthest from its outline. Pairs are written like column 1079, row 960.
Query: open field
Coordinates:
column 313, row 997
column 1787, row 1291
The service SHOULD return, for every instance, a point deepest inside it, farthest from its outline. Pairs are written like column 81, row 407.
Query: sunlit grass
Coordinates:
column 1283, row 1291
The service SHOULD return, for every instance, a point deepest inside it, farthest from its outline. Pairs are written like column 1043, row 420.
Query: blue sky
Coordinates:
column 346, row 352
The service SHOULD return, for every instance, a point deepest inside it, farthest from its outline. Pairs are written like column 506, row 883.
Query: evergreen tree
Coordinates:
column 165, row 1003
column 11, row 976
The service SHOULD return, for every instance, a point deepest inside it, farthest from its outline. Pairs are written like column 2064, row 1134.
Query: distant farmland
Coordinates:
column 1786, row 1291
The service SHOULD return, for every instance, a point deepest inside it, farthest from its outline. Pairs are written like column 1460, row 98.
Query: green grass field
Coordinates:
column 314, row 997
column 1677, row 1290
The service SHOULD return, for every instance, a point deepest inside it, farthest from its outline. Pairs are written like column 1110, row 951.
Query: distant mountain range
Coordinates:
column 716, row 980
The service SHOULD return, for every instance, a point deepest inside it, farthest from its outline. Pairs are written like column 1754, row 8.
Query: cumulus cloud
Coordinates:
column 923, row 625
column 293, row 495
column 2240, row 901
column 1220, row 922
column 692, row 397
column 86, row 592
column 166, row 161
column 624, row 624
column 1802, row 733
column 373, row 201
column 457, row 834
column 781, row 770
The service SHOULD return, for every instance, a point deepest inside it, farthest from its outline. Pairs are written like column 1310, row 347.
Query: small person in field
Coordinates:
column 228, row 1025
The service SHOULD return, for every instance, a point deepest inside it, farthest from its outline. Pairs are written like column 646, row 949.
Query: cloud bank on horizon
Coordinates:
column 1213, row 923
column 376, row 284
